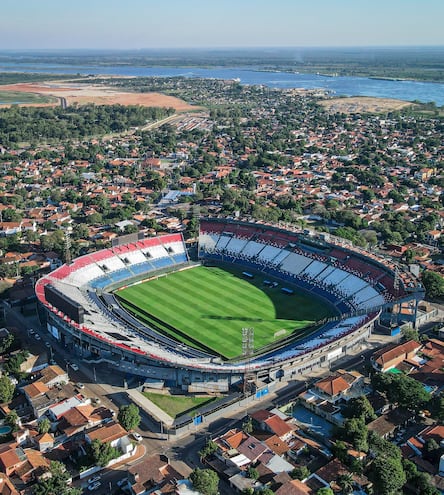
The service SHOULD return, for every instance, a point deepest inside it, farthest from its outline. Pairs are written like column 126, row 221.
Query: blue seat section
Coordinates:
column 141, row 268
column 179, row 258
column 162, row 263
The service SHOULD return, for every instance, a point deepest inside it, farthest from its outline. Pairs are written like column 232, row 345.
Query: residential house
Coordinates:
column 151, row 474
column 113, row 434
column 390, row 356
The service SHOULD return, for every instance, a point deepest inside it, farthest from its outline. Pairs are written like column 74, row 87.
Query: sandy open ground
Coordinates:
column 360, row 104
column 100, row 95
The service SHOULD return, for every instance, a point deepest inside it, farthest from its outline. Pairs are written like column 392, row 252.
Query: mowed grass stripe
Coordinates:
column 211, row 305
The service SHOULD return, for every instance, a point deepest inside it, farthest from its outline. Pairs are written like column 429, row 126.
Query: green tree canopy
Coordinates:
column 401, row 389
column 103, row 452
column 387, row 475
column 205, row 481
column 129, row 416
column 325, row 490
column 7, row 389
column 44, row 425
column 434, row 284
column 300, row 473
column 57, row 483
column 359, row 407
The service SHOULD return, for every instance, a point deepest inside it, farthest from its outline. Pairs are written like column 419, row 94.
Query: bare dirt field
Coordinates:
column 362, row 104
column 100, row 95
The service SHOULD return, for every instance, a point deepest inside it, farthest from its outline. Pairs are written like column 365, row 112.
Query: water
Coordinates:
column 347, row 86
column 4, row 430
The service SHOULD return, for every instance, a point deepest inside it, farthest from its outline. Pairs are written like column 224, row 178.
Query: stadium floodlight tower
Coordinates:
column 247, row 352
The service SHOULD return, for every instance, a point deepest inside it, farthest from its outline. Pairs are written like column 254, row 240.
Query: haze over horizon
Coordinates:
column 147, row 24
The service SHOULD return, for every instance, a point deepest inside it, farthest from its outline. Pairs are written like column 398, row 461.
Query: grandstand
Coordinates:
column 359, row 285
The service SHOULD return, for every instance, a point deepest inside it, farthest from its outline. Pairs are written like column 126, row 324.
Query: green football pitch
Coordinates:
column 207, row 307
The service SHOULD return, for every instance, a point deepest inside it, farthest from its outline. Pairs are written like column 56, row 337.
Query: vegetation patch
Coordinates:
column 18, row 97
column 176, row 405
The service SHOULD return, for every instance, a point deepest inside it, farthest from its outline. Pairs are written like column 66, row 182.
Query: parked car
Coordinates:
column 74, row 367
column 80, row 385
column 93, row 479
column 137, row 437
column 47, row 344
column 122, row 482
column 37, row 336
column 94, row 486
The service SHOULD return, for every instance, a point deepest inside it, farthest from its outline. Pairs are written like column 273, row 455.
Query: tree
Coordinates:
column 209, row 449
column 12, row 420
column 253, row 473
column 247, row 425
column 44, row 425
column 6, row 343
column 129, row 416
column 267, row 491
column 434, row 284
column 103, row 452
column 387, row 475
column 56, row 483
column 7, row 389
column 300, row 473
column 359, row 407
column 345, row 482
column 409, row 333
column 205, row 481
column 354, row 430
column 325, row 490
column 401, row 389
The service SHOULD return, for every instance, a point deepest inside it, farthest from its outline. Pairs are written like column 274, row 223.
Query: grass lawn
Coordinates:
column 176, row 405
column 16, row 97
column 207, row 307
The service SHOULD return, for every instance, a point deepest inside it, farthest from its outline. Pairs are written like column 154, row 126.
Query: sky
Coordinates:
column 139, row 24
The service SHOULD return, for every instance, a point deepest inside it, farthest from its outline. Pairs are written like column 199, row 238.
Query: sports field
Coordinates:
column 207, row 307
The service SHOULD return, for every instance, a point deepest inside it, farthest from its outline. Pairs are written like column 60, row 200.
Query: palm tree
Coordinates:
column 345, row 482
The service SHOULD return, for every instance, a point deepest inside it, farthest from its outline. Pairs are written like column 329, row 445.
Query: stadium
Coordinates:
column 250, row 301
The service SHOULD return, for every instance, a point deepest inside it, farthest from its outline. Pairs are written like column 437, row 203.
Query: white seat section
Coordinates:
column 295, row 263
column 269, row 253
column 176, row 247
column 325, row 273
column 133, row 257
column 351, row 284
column 222, row 242
column 208, row 241
column 365, row 294
column 112, row 264
column 252, row 249
column 280, row 257
column 314, row 269
column 335, row 277
column 156, row 252
column 236, row 245
column 84, row 275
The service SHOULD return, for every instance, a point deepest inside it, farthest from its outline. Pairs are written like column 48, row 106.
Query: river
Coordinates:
column 341, row 85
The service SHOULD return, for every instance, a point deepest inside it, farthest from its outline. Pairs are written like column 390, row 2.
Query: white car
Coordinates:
column 137, row 437
column 94, row 479
column 37, row 336
column 94, row 486
column 80, row 385
column 74, row 367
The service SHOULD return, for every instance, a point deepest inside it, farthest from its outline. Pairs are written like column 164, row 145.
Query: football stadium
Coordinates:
column 250, row 300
